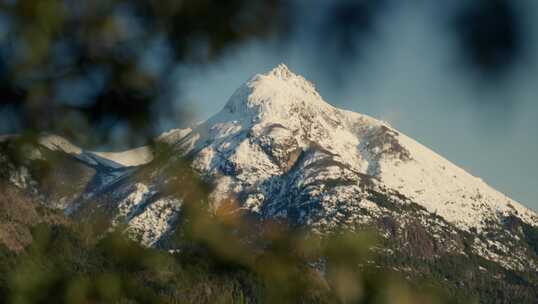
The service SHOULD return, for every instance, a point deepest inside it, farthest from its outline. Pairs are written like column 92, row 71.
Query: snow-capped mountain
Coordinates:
column 276, row 132
column 280, row 152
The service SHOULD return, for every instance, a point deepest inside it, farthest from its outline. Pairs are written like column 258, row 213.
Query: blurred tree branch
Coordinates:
column 85, row 67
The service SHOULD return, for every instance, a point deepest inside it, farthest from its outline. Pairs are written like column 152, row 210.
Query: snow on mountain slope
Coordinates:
column 134, row 157
column 447, row 190
column 282, row 153
column 173, row 136
column 58, row 143
column 275, row 119
column 128, row 158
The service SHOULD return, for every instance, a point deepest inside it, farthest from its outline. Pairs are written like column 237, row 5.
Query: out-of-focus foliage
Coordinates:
column 221, row 258
column 60, row 267
column 223, row 254
column 105, row 66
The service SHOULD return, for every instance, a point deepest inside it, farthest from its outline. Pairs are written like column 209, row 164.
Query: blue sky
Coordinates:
column 409, row 73
column 458, row 76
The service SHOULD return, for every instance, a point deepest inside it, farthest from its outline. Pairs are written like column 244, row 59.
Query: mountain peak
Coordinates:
column 274, row 116
column 282, row 71
column 280, row 92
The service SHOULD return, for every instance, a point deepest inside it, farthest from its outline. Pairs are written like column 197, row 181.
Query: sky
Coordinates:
column 458, row 76
column 414, row 64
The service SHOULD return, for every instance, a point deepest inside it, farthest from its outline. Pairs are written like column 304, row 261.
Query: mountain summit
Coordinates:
column 277, row 122
column 281, row 153
column 279, row 94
